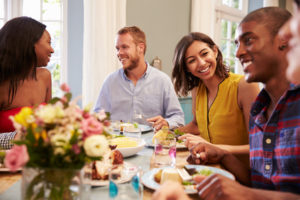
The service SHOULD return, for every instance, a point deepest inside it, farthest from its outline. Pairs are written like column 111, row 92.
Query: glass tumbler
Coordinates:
column 124, row 183
column 165, row 152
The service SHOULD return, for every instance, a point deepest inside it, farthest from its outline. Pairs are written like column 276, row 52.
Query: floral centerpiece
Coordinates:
column 57, row 135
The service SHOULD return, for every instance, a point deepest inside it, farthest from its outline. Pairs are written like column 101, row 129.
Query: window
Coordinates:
column 2, row 13
column 228, row 15
column 52, row 14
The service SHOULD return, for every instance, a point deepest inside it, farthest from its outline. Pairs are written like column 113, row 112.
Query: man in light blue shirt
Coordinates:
column 139, row 87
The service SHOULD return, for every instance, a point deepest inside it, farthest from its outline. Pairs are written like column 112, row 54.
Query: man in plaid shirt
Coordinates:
column 274, row 127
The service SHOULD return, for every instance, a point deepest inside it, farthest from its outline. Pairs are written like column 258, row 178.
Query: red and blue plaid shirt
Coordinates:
column 275, row 144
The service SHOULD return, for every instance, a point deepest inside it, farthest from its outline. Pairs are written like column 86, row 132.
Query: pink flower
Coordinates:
column 91, row 126
column 64, row 87
column 76, row 149
column 16, row 157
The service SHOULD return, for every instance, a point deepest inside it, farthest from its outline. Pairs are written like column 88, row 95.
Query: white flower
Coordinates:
column 50, row 113
column 59, row 142
column 95, row 145
column 101, row 115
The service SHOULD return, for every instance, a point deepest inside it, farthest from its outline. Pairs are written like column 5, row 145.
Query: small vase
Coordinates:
column 54, row 183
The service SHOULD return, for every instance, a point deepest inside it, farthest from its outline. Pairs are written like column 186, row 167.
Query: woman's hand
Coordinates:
column 191, row 140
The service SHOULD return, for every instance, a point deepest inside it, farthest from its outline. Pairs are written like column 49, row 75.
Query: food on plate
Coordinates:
column 165, row 133
column 162, row 134
column 123, row 142
column 100, row 168
column 170, row 174
column 157, row 176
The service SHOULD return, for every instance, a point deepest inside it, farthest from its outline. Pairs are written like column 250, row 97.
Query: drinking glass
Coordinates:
column 165, row 152
column 124, row 183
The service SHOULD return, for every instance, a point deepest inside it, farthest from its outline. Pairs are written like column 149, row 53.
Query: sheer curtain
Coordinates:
column 102, row 20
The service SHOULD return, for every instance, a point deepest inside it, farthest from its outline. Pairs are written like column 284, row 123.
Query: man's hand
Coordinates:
column 206, row 153
column 158, row 122
column 191, row 140
column 170, row 191
column 217, row 186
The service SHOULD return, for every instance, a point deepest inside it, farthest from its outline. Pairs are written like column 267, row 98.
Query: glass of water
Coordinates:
column 165, row 152
column 124, row 183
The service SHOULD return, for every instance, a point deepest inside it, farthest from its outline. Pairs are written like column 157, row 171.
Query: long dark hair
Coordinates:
column 183, row 80
column 18, row 60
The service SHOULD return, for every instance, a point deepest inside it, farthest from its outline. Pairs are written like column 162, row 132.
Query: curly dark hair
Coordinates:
column 18, row 60
column 183, row 80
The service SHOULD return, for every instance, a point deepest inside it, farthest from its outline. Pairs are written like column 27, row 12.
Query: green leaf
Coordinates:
column 54, row 100
column 68, row 96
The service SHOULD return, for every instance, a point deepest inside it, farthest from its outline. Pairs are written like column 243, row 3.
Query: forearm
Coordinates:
column 190, row 128
column 235, row 149
column 236, row 167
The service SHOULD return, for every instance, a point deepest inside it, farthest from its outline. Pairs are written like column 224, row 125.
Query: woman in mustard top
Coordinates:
column 221, row 100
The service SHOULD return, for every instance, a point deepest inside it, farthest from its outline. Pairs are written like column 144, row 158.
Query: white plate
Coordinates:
column 148, row 177
column 4, row 169
column 106, row 182
column 178, row 145
column 130, row 151
column 144, row 128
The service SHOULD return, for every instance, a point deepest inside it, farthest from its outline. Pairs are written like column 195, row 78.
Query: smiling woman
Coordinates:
column 220, row 101
column 22, row 81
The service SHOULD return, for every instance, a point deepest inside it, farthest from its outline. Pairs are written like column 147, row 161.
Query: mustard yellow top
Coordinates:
column 224, row 123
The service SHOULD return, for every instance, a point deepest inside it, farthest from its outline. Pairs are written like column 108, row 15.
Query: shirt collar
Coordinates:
column 145, row 75
column 263, row 99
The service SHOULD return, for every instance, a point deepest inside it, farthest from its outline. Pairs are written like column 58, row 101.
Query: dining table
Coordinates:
column 10, row 183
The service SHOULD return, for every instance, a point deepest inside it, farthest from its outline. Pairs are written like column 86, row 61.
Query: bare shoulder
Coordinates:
column 194, row 92
column 43, row 72
column 244, row 86
column 247, row 92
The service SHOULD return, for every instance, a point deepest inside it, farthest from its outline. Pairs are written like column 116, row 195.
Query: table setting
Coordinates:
column 69, row 153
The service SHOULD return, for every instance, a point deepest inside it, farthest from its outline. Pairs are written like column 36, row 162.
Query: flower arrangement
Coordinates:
column 58, row 135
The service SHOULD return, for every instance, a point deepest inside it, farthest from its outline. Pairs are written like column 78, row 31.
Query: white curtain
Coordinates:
column 102, row 20
column 203, row 16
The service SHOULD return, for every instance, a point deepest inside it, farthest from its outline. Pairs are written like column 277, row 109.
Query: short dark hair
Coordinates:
column 183, row 80
column 137, row 34
column 17, row 52
column 272, row 17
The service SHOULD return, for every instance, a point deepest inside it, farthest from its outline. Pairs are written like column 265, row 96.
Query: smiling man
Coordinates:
column 274, row 127
column 138, row 87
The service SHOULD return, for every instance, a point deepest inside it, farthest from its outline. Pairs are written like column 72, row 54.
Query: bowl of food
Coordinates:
column 128, row 146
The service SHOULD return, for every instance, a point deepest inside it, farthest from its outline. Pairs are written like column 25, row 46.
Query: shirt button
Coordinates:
column 268, row 141
column 267, row 167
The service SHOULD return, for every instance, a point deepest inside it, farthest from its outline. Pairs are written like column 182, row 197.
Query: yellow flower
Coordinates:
column 23, row 116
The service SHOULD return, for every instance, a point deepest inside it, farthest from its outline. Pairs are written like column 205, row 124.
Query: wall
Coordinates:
column 164, row 23
column 75, row 46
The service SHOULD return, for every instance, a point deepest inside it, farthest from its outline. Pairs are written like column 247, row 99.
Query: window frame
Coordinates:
column 230, row 14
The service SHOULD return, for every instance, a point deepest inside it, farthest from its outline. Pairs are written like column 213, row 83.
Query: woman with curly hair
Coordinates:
column 221, row 100
column 25, row 46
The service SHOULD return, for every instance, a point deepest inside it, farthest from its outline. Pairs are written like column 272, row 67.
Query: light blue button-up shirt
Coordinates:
column 152, row 95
